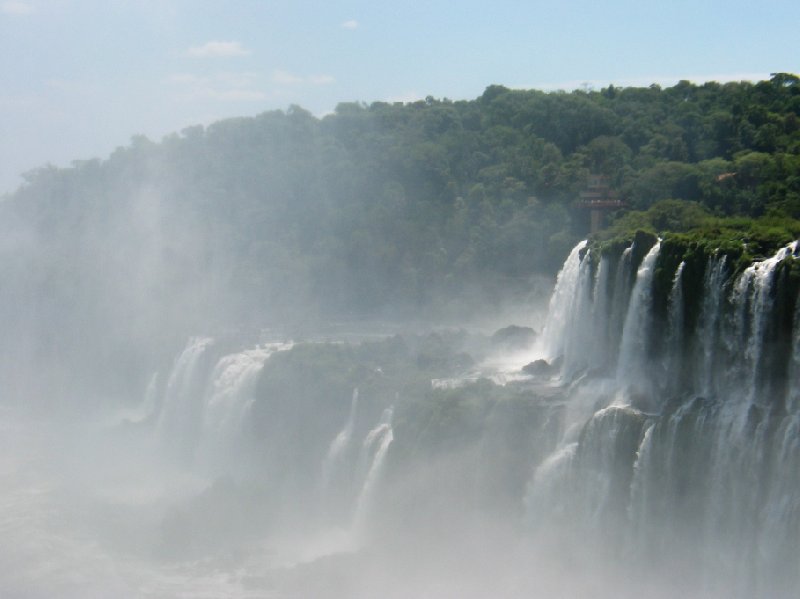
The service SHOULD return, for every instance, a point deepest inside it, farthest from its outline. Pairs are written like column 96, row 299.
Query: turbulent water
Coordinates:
column 690, row 465
column 653, row 452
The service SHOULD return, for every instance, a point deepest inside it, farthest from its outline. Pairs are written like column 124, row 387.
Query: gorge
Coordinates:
column 289, row 356
column 657, row 455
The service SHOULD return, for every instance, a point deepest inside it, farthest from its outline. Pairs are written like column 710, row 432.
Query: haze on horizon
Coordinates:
column 81, row 77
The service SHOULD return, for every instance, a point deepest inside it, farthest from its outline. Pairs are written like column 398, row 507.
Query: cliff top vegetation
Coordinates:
column 398, row 210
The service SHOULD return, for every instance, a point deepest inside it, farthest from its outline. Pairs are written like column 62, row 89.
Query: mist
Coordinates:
column 380, row 354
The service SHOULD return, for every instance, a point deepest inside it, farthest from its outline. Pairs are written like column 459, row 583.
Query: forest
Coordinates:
column 420, row 209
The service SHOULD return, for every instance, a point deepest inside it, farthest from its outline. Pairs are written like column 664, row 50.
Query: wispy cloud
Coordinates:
column 16, row 8
column 286, row 78
column 223, row 87
column 215, row 49
column 350, row 24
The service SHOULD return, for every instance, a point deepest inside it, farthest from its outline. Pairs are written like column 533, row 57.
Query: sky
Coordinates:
column 79, row 78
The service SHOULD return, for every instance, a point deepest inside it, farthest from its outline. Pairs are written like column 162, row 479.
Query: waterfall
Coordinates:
column 181, row 412
column 673, row 371
column 560, row 311
column 632, row 364
column 599, row 329
column 230, row 391
column 373, row 454
column 551, row 470
column 204, row 414
column 642, row 493
column 752, row 299
column 792, row 399
column 621, row 294
column 147, row 410
column 227, row 402
column 709, row 323
column 548, row 493
column 605, row 469
column 702, row 471
column 577, row 332
column 333, row 462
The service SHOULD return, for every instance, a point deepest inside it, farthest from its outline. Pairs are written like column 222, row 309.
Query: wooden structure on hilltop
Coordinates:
column 598, row 199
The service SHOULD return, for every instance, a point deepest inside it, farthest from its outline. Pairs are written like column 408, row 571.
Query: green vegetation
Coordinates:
column 689, row 225
column 409, row 203
column 403, row 209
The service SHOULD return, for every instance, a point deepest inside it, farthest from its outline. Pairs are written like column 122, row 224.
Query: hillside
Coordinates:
column 430, row 207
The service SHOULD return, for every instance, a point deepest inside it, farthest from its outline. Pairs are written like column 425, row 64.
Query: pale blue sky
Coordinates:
column 80, row 77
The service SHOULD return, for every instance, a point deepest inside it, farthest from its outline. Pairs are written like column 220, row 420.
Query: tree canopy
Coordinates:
column 387, row 204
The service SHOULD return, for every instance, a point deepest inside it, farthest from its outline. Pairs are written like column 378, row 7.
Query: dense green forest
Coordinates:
column 383, row 208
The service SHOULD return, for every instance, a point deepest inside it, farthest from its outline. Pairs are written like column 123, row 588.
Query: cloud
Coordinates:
column 16, row 8
column 286, row 78
column 350, row 24
column 215, row 49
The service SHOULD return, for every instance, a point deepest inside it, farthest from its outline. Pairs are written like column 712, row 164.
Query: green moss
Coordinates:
column 691, row 235
column 689, row 230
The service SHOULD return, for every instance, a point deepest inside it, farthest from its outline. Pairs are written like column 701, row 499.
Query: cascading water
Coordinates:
column 620, row 297
column 373, row 456
column 337, row 485
column 148, row 408
column 708, row 330
column 635, row 330
column 699, row 472
column 180, row 417
column 577, row 340
column 752, row 298
column 674, row 339
column 599, row 340
column 560, row 312
column 688, row 486
column 332, row 464
column 641, row 488
column 227, row 403
column 203, row 416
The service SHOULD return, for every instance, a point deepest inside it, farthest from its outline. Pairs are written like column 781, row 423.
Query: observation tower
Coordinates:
column 598, row 198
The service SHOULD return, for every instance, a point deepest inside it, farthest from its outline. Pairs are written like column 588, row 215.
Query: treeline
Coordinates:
column 405, row 199
column 404, row 205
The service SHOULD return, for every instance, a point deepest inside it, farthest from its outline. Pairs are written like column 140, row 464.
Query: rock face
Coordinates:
column 683, row 370
column 659, row 432
column 539, row 368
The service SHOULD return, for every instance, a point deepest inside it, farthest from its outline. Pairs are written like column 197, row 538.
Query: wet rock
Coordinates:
column 539, row 368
